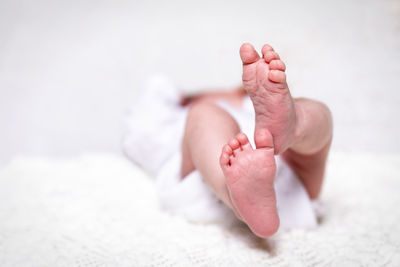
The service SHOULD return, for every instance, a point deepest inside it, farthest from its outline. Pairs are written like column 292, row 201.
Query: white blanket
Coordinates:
column 101, row 210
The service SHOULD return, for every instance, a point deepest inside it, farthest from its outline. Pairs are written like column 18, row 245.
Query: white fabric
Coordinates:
column 101, row 210
column 155, row 113
column 155, row 130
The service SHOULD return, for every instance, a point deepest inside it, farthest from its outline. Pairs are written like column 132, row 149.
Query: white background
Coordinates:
column 69, row 69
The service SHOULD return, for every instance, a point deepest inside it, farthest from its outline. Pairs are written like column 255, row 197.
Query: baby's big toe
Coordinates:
column 263, row 139
column 248, row 54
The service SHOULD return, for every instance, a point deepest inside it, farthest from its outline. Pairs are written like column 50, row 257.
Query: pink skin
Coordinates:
column 264, row 79
column 299, row 130
column 249, row 177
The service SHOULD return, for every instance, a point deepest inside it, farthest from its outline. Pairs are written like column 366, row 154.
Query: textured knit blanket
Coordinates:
column 101, row 210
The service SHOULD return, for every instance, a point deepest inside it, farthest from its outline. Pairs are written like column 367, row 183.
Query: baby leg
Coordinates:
column 208, row 129
column 309, row 150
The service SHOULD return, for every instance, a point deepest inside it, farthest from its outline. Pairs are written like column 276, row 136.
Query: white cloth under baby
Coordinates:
column 155, row 126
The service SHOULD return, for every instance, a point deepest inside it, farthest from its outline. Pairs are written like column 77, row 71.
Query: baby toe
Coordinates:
column 234, row 144
column 277, row 64
column 266, row 48
column 224, row 160
column 227, row 150
column 243, row 140
column 270, row 55
column 277, row 76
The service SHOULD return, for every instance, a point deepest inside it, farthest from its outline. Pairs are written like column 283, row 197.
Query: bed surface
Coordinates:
column 101, row 210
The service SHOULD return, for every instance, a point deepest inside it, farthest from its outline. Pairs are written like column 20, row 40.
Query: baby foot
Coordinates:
column 264, row 79
column 249, row 177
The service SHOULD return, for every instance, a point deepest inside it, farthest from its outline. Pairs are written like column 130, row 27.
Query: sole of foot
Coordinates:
column 264, row 79
column 250, row 177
